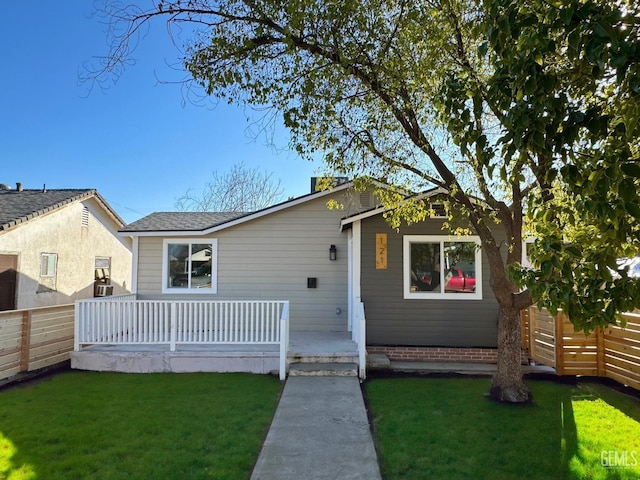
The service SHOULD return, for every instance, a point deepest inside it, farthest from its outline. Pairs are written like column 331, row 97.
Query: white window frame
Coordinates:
column 441, row 239
column 525, row 258
column 44, row 260
column 190, row 241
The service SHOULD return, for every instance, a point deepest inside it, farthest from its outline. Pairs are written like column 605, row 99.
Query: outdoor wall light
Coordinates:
column 333, row 252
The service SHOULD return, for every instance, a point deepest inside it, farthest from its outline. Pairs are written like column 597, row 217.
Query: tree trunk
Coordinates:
column 507, row 385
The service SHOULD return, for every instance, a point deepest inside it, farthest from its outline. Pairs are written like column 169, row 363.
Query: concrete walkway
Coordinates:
column 320, row 431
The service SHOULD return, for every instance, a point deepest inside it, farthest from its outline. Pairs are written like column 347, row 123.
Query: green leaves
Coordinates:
column 527, row 104
column 566, row 83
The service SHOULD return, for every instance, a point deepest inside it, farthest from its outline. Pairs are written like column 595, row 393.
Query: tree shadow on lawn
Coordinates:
column 434, row 427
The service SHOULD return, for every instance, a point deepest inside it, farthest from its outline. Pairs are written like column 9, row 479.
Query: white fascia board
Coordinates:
column 107, row 208
column 162, row 233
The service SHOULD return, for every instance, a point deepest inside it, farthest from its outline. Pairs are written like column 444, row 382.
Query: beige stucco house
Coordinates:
column 59, row 246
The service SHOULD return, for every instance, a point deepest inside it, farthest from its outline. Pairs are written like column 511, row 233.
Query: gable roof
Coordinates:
column 19, row 206
column 203, row 223
column 347, row 221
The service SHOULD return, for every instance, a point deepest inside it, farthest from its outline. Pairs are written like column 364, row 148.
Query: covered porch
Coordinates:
column 124, row 334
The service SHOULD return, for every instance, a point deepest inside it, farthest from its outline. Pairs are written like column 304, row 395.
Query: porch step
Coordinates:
column 323, row 370
column 346, row 357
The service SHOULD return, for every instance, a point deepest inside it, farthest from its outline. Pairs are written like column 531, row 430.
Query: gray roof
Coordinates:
column 199, row 221
column 20, row 206
column 181, row 221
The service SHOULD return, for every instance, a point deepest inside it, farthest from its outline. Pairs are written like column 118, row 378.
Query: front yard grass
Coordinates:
column 81, row 425
column 443, row 428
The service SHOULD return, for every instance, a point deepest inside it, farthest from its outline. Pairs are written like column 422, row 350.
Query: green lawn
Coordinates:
column 81, row 425
column 443, row 428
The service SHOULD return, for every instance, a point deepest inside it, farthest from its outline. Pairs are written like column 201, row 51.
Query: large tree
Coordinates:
column 509, row 105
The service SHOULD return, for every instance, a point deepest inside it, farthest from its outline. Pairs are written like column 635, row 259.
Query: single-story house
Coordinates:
column 425, row 293
column 58, row 246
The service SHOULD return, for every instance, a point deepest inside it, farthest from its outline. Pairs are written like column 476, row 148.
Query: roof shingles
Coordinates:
column 181, row 221
column 18, row 206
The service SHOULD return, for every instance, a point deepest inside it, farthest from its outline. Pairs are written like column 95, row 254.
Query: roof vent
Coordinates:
column 366, row 200
column 19, row 186
column 4, row 186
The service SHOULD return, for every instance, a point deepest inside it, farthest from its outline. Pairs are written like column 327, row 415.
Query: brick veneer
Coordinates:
column 439, row 354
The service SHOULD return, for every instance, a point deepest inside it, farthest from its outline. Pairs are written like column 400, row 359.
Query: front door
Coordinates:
column 8, row 275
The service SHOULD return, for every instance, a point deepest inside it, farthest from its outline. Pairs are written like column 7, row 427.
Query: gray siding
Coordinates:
column 392, row 320
column 270, row 258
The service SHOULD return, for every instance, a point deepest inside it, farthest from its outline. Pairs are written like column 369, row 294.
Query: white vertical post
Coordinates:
column 172, row 328
column 284, row 340
column 134, row 264
column 350, row 305
column 76, row 327
column 356, row 252
column 362, row 341
column 361, row 332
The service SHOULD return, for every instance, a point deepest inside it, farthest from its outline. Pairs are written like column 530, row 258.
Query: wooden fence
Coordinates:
column 35, row 338
column 612, row 352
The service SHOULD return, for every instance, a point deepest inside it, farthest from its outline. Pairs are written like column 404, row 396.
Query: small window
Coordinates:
column 101, row 273
column 437, row 267
column 190, row 266
column 48, row 264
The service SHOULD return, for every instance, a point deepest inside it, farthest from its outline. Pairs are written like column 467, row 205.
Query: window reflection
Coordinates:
column 190, row 265
column 443, row 267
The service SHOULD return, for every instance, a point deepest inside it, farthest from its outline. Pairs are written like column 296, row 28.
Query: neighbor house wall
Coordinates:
column 271, row 258
column 61, row 232
column 394, row 320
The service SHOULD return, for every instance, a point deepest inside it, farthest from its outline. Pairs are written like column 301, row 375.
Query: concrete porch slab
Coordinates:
column 183, row 361
column 252, row 358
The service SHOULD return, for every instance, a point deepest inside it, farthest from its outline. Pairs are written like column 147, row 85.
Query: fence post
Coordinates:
column 532, row 332
column 524, row 325
column 558, row 322
column 601, row 365
column 25, row 341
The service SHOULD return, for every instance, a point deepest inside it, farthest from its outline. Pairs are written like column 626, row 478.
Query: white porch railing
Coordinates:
column 123, row 320
column 359, row 335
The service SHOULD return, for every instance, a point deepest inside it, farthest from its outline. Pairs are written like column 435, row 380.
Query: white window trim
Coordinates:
column 55, row 264
column 406, row 268
column 525, row 258
column 214, row 266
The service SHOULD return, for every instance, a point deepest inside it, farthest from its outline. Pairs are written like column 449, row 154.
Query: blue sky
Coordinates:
column 137, row 143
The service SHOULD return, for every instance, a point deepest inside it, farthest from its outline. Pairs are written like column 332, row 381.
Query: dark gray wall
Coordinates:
column 392, row 320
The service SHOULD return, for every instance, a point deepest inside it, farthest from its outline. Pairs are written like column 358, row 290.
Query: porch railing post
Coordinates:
column 284, row 339
column 362, row 340
column 172, row 327
column 76, row 326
